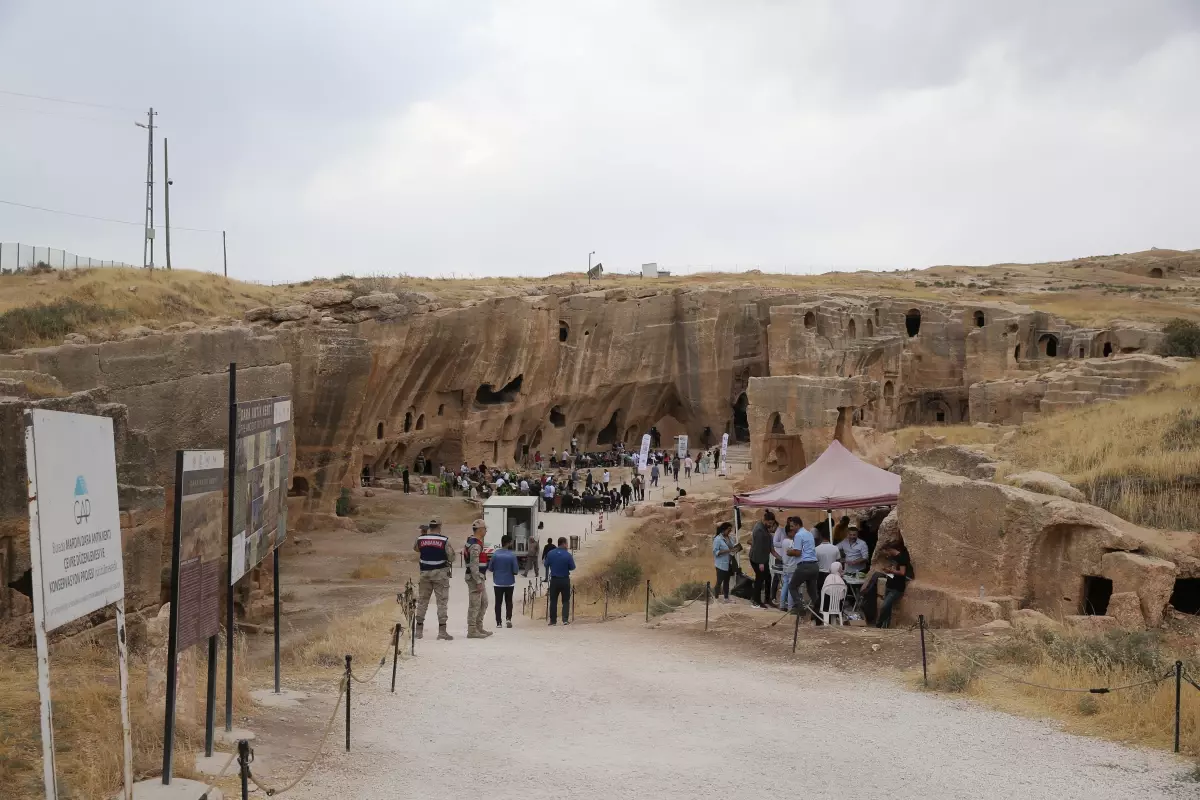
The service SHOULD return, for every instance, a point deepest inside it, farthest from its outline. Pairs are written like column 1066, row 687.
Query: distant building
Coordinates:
column 652, row 271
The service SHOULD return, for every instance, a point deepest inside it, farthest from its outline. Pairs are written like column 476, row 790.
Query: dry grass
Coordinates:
column 87, row 720
column 366, row 636
column 1139, row 458
column 373, row 569
column 1143, row 716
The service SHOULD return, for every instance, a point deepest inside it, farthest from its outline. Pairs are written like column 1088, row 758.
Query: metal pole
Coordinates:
column 412, row 626
column 924, row 662
column 707, row 595
column 647, row 601
column 230, row 453
column 224, row 255
column 606, row 601
column 244, row 765
column 210, row 702
column 395, row 655
column 1178, row 688
column 348, row 682
column 173, row 627
column 275, row 560
column 796, row 632
column 167, row 200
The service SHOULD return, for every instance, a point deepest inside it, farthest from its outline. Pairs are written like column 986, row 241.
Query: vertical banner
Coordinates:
column 681, row 446
column 75, row 548
column 197, row 574
column 261, row 464
column 724, row 470
column 644, row 455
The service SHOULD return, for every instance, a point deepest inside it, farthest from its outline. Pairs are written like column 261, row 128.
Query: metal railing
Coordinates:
column 18, row 257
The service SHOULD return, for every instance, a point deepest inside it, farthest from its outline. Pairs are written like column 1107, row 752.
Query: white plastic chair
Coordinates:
column 835, row 595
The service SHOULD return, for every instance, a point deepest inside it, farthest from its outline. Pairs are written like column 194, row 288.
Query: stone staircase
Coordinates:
column 738, row 456
column 1102, row 380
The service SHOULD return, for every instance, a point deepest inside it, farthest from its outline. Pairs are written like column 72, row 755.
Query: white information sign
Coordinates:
column 681, row 446
column 644, row 455
column 78, row 519
column 724, row 470
column 74, row 550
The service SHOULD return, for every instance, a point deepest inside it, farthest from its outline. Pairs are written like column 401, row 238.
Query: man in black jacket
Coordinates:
column 761, row 540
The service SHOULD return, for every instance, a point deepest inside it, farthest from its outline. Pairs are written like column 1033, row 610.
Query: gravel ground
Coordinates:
column 618, row 711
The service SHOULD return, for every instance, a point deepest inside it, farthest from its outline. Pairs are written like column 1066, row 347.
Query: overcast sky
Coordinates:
column 513, row 137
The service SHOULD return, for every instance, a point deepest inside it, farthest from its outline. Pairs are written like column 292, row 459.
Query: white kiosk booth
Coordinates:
column 516, row 516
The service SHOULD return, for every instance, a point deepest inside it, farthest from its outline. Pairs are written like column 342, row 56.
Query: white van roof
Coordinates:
column 511, row 501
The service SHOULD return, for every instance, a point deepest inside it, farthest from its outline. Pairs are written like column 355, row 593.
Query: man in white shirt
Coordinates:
column 854, row 552
column 548, row 495
column 827, row 553
column 606, row 479
column 524, row 486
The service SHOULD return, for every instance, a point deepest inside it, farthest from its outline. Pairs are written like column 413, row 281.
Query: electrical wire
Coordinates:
column 101, row 219
column 69, row 102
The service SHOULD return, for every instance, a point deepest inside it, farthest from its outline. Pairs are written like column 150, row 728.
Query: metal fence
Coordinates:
column 15, row 257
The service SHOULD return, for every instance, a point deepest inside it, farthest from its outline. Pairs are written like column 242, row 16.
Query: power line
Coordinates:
column 69, row 102
column 100, row 219
column 65, row 115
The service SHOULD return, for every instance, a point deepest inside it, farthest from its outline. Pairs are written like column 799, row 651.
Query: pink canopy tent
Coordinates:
column 838, row 479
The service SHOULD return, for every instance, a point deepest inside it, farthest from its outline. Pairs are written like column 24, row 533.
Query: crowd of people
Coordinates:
column 791, row 566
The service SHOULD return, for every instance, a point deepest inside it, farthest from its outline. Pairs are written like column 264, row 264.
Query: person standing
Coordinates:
column 722, row 553
column 626, row 492
column 404, row 476
column 827, row 556
column 545, row 552
column 787, row 565
column 435, row 559
column 761, row 544
column 548, row 495
column 855, row 555
column 806, row 574
column 476, row 560
column 503, row 566
column 559, row 566
column 687, row 466
column 900, row 572
column 605, row 479
column 675, row 468
column 654, row 474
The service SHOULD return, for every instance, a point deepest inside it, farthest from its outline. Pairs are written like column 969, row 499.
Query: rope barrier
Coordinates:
column 1192, row 682
column 220, row 775
column 272, row 791
column 1068, row 690
column 382, row 661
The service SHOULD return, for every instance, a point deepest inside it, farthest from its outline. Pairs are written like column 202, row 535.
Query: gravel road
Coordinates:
column 618, row 711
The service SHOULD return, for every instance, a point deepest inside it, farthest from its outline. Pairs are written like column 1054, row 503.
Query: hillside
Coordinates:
column 38, row 309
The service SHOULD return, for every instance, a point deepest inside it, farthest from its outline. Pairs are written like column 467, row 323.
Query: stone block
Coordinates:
column 375, row 300
column 1046, row 483
column 1089, row 624
column 1152, row 579
column 324, row 298
column 1126, row 609
column 1028, row 619
column 258, row 314
column 290, row 313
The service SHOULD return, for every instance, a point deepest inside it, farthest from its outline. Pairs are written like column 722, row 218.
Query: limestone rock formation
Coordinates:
column 1046, row 483
column 953, row 458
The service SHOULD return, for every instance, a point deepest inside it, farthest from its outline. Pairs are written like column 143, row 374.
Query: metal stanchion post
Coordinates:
column 547, row 606
column 395, row 655
column 796, row 632
column 606, row 601
column 707, row 595
column 574, row 594
column 348, row 682
column 244, row 766
column 1178, row 687
column 647, row 601
column 412, row 627
column 924, row 662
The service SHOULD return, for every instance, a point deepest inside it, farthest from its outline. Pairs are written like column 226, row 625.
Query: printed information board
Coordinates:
column 78, row 519
column 201, row 543
column 724, row 470
column 644, row 455
column 681, row 446
column 261, row 464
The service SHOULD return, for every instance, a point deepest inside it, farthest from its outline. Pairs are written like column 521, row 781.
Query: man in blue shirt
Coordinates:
column 503, row 566
column 559, row 565
column 807, row 575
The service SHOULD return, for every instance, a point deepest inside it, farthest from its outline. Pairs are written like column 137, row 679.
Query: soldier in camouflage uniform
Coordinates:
column 436, row 558
column 476, row 560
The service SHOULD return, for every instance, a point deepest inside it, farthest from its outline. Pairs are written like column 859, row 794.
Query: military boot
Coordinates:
column 486, row 632
column 476, row 633
column 420, row 630
column 442, row 634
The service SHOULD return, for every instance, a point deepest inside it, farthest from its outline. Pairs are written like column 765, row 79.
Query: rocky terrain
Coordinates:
column 412, row 370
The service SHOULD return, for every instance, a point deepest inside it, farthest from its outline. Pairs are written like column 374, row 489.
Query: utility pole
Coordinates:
column 589, row 272
column 167, row 200
column 148, row 232
column 224, row 254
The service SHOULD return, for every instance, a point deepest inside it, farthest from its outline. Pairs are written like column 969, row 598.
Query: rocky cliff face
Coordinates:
column 385, row 378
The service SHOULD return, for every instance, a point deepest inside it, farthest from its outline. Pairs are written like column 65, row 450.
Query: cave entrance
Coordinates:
column 608, row 434
column 1156, row 272
column 1096, row 593
column 486, row 396
column 870, row 329
column 741, row 424
column 1048, row 345
column 521, row 451
column 980, row 319
column 889, row 393
column 810, row 320
column 537, row 439
column 777, row 423
column 408, row 421
column 421, row 422
column 1186, row 596
column 580, row 434
column 557, row 418
column 299, row 487
column 1108, row 348
column 564, row 330
column 631, row 436
column 912, row 322
column 379, row 431
column 495, row 452
column 851, row 330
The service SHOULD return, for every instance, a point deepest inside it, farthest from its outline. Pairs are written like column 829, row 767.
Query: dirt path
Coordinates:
column 615, row 710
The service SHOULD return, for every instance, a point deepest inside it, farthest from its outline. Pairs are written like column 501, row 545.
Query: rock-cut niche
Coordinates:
column 485, row 395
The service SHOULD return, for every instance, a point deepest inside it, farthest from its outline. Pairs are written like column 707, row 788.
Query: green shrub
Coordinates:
column 953, row 676
column 1182, row 339
column 21, row 327
column 342, row 506
column 624, row 574
column 1088, row 705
